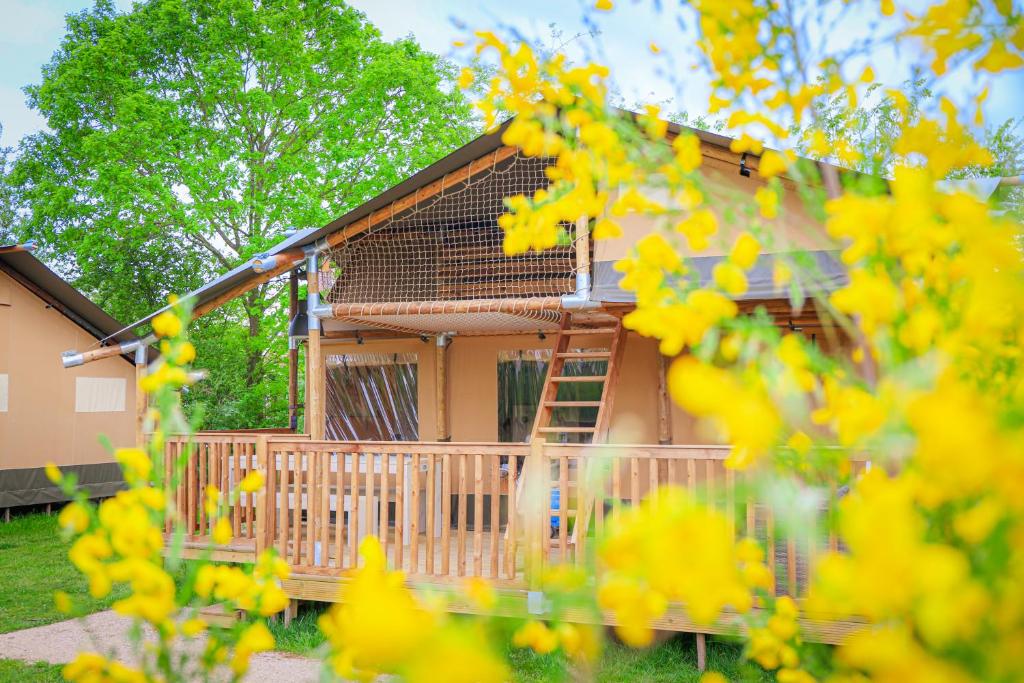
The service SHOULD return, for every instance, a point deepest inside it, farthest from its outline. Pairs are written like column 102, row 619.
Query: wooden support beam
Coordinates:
column 702, row 652
column 441, row 388
column 288, row 260
column 583, row 245
column 664, row 403
column 315, row 415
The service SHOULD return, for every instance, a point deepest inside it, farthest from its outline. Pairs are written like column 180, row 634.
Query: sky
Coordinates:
column 31, row 31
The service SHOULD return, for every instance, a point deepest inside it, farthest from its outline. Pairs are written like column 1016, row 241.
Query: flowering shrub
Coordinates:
column 121, row 541
column 925, row 380
column 922, row 378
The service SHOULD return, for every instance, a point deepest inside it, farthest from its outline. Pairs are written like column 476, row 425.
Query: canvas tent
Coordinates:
column 47, row 413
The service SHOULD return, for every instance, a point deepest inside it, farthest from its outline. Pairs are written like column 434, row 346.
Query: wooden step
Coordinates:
column 567, row 430
column 589, row 330
column 579, row 378
column 573, row 404
column 582, row 355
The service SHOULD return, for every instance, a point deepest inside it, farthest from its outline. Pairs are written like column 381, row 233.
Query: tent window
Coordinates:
column 99, row 394
column 520, row 380
column 372, row 397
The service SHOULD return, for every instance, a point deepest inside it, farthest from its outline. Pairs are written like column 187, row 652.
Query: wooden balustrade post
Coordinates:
column 263, row 535
column 537, row 502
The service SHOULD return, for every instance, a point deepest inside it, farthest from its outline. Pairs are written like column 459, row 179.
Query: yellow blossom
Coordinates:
column 167, row 324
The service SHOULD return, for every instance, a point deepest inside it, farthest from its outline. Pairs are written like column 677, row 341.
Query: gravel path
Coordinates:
column 106, row 633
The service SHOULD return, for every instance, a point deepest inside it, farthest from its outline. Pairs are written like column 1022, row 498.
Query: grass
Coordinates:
column 34, row 564
column 674, row 660
column 13, row 671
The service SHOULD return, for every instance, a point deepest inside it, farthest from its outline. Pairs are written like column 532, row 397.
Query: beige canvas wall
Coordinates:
column 473, row 387
column 732, row 200
column 41, row 423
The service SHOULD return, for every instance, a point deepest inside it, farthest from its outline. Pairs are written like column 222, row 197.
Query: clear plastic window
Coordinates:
column 372, row 397
column 520, row 381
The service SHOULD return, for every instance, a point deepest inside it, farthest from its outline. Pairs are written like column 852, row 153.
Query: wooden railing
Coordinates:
column 449, row 510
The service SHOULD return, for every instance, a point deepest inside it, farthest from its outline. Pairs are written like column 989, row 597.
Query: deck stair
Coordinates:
column 580, row 344
column 575, row 344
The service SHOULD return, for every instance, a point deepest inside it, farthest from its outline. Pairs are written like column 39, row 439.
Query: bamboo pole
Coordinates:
column 528, row 305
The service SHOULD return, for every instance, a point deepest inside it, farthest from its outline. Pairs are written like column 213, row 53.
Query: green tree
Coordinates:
column 8, row 214
column 188, row 135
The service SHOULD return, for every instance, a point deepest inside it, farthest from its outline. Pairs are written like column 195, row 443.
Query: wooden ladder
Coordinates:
column 573, row 344
column 566, row 351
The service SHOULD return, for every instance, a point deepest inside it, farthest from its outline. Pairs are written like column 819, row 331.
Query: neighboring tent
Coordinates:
column 48, row 413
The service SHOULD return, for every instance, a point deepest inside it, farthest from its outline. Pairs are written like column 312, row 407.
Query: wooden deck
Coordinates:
column 424, row 502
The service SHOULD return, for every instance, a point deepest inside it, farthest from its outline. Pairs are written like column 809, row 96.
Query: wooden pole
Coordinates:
column 583, row 245
column 262, row 533
column 314, row 365
column 441, row 387
column 141, row 404
column 293, row 354
column 664, row 403
column 702, row 652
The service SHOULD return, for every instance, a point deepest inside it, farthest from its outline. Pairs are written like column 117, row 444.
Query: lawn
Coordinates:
column 12, row 671
column 674, row 660
column 34, row 564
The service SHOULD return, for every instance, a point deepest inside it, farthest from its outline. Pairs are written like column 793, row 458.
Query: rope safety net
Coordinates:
column 440, row 266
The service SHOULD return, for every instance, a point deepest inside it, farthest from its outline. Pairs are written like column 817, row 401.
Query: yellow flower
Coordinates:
column 607, row 229
column 135, row 463
column 767, row 202
column 800, row 442
column 62, row 602
column 481, row 593
column 252, row 482
column 222, row 531
column 781, row 273
column 745, row 251
column 687, row 149
column 186, row 353
column 193, row 627
column 167, row 324
column 53, row 473
column 255, row 638
column 537, row 636
column 74, row 517
column 466, row 77
column 603, row 5
column 772, row 164
column 730, row 278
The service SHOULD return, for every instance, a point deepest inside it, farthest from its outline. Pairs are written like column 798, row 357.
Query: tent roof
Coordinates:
column 477, row 148
column 19, row 263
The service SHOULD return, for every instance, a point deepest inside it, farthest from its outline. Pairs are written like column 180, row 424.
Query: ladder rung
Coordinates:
column 579, row 355
column 567, row 430
column 588, row 330
column 579, row 378
column 572, row 404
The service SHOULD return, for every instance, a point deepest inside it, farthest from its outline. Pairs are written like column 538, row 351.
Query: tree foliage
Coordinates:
column 188, row 135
